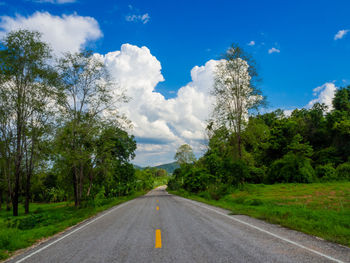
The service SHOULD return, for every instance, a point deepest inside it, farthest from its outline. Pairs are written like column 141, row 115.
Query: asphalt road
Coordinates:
column 180, row 230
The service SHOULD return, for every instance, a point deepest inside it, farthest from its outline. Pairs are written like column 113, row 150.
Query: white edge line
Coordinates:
column 267, row 232
column 75, row 230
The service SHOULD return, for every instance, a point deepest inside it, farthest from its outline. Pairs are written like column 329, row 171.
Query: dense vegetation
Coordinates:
column 288, row 169
column 310, row 145
column 61, row 135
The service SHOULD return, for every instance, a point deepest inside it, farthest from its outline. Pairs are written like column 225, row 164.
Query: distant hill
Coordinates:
column 138, row 167
column 169, row 167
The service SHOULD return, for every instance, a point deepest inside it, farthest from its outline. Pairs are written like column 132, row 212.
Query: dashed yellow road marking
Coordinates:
column 158, row 239
column 157, row 208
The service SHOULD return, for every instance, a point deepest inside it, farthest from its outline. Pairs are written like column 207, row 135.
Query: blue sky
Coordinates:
column 183, row 34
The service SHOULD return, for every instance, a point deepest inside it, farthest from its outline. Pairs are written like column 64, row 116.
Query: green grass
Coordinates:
column 320, row 209
column 46, row 220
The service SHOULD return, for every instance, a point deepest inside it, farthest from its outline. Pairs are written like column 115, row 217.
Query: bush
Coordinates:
column 326, row 172
column 216, row 192
column 343, row 171
column 256, row 175
column 292, row 168
column 54, row 194
column 174, row 183
column 234, row 172
column 197, row 179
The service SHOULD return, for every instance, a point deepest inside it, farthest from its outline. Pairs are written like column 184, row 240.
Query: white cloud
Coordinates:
column 251, row 43
column 161, row 125
column 66, row 33
column 274, row 50
column 340, row 34
column 325, row 94
column 144, row 19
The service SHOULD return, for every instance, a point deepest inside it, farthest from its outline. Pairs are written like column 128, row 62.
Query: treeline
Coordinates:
column 310, row 145
column 61, row 135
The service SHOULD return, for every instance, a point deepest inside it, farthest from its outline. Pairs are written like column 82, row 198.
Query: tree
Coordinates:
column 235, row 92
column 89, row 97
column 26, row 86
column 184, row 155
column 339, row 122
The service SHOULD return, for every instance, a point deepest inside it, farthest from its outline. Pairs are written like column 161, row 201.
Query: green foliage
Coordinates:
column 234, row 172
column 326, row 172
column 341, row 101
column 256, row 175
column 184, row 155
column 291, row 169
column 304, row 147
column 196, row 180
column 343, row 171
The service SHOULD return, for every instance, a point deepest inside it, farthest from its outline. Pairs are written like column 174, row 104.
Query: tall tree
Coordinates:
column 25, row 87
column 89, row 96
column 235, row 92
column 184, row 155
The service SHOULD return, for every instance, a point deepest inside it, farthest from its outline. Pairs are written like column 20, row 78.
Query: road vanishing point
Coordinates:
column 159, row 227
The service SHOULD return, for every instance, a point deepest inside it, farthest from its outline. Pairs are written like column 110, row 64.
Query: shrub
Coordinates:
column 234, row 172
column 326, row 172
column 216, row 192
column 174, row 183
column 256, row 175
column 343, row 171
column 197, row 179
column 292, row 168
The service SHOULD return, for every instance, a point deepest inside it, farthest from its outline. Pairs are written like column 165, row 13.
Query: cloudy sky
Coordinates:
column 164, row 54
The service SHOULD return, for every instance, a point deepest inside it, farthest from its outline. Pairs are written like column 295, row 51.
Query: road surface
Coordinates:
column 159, row 227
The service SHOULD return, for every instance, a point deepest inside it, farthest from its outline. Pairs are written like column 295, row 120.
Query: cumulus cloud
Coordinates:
column 274, row 50
column 340, row 34
column 251, row 43
column 66, row 33
column 325, row 94
column 144, row 19
column 161, row 125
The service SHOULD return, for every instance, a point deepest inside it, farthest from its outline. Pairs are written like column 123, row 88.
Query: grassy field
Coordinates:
column 320, row 209
column 46, row 220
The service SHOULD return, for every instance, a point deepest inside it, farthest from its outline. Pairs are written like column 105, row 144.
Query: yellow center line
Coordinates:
column 157, row 208
column 158, row 239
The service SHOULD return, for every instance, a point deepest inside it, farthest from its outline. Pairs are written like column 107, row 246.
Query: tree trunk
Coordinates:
column 26, row 204
column 15, row 195
column 18, row 159
column 1, row 199
column 90, row 184
column 9, row 194
column 75, row 186
column 239, row 144
column 29, row 176
column 81, row 177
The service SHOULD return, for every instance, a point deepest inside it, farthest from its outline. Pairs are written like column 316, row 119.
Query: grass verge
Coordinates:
column 46, row 220
column 319, row 209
